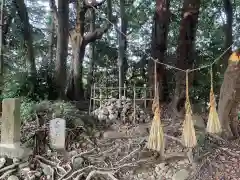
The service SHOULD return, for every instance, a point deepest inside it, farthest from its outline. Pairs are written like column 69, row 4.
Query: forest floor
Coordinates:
column 119, row 152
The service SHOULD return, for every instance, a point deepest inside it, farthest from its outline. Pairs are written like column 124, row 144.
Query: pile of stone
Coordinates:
column 120, row 110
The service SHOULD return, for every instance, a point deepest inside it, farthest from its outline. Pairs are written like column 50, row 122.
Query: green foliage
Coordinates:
column 209, row 45
column 48, row 110
column 27, row 111
column 22, row 84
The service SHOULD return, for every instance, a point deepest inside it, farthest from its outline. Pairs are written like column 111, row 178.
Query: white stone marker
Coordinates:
column 10, row 130
column 57, row 133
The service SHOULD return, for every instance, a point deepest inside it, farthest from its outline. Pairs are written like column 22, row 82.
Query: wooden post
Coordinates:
column 134, row 104
column 124, row 90
column 145, row 96
column 90, row 102
column 94, row 95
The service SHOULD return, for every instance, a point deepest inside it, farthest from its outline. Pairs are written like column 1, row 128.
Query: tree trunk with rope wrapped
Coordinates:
column 159, row 45
column 228, row 30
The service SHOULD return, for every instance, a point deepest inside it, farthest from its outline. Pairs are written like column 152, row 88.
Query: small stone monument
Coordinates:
column 10, row 130
column 57, row 133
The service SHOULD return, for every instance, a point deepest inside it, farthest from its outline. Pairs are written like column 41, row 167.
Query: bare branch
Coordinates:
column 97, row 34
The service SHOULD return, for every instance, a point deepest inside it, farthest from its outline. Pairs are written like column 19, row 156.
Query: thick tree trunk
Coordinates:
column 229, row 99
column 228, row 30
column 62, row 47
column 27, row 33
column 52, row 43
column 8, row 21
column 185, row 50
column 159, row 46
column 91, row 57
column 75, row 89
column 1, row 50
column 79, row 42
column 122, row 46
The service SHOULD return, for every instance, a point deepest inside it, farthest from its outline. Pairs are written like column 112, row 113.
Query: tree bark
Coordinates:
column 1, row 50
column 79, row 42
column 27, row 33
column 62, row 46
column 52, row 43
column 160, row 28
column 185, row 50
column 229, row 99
column 122, row 46
column 228, row 30
column 9, row 17
column 91, row 57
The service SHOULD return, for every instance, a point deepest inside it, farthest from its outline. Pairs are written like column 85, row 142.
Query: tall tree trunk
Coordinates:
column 79, row 42
column 159, row 46
column 228, row 30
column 185, row 50
column 92, row 56
column 8, row 21
column 49, row 68
column 62, row 47
column 229, row 100
column 122, row 46
column 76, row 91
column 52, row 43
column 27, row 33
column 1, row 50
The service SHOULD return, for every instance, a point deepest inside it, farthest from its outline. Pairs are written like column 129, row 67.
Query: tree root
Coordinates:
column 94, row 172
column 7, row 173
column 12, row 166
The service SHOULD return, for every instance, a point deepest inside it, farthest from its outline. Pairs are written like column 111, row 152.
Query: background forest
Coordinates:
column 57, row 50
column 52, row 52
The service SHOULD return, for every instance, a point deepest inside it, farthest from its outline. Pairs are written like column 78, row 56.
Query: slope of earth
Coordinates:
column 117, row 151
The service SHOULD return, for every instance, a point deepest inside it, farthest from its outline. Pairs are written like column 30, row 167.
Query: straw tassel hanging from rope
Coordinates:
column 156, row 136
column 213, row 124
column 188, row 135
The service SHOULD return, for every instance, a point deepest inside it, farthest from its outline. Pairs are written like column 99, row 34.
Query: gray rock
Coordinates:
column 12, row 177
column 16, row 160
column 198, row 121
column 38, row 174
column 47, row 170
column 161, row 165
column 169, row 173
column 24, row 171
column 110, row 110
column 72, row 153
column 78, row 162
column 181, row 175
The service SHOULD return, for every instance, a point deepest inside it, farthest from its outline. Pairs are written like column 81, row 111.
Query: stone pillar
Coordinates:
column 10, row 130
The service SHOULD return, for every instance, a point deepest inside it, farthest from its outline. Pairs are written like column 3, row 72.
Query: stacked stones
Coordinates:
column 120, row 110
